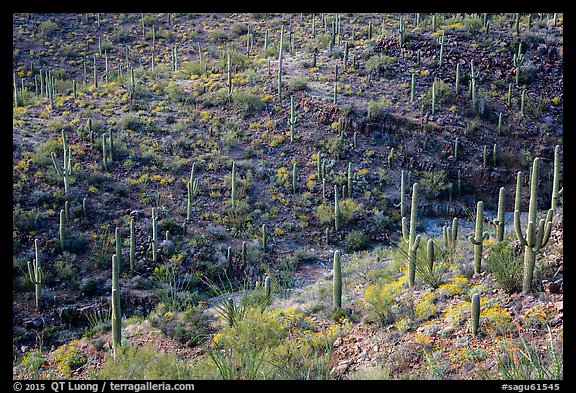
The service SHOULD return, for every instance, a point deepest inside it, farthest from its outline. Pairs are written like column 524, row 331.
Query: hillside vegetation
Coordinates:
column 287, row 196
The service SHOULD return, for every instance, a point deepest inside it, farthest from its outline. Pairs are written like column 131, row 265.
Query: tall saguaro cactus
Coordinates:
column 132, row 246
column 233, row 191
column 537, row 232
column 64, row 170
column 154, row 237
column 349, row 179
column 479, row 237
column 430, row 257
column 116, row 315
column 36, row 275
column 280, row 57
column 62, row 230
column 500, row 220
column 410, row 237
column 293, row 120
column 556, row 180
column 337, row 282
column 294, row 178
column 518, row 61
column 451, row 234
column 336, row 208
column 118, row 239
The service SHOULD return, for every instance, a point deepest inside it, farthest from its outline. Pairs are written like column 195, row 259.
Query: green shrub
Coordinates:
column 356, row 240
column 143, row 363
column 380, row 109
column 350, row 210
column 41, row 155
column 325, row 213
column 505, row 265
column 298, row 83
column 472, row 24
column 381, row 301
column 189, row 327
column 246, row 102
column 432, row 183
column 47, row 28
column 381, row 64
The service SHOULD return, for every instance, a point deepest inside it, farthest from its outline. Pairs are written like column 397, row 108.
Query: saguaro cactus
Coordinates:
column 451, row 234
column 537, row 232
column 475, row 311
column 132, row 246
column 267, row 287
column 264, row 237
column 192, row 186
column 105, row 152
column 280, row 54
column 518, row 60
column 337, row 282
column 154, row 237
column 457, row 83
column 500, row 220
column 441, row 42
column 36, row 275
column 402, row 194
column 64, row 170
column 336, row 208
column 556, row 180
column 430, row 257
column 401, row 31
column 479, row 237
column 292, row 121
column 116, row 315
column 294, row 177
column 118, row 239
column 412, row 87
column 62, row 230
column 349, row 179
column 410, row 237
column 233, row 192
column 243, row 254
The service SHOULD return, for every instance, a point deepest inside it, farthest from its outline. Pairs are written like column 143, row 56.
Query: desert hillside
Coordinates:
column 287, row 196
